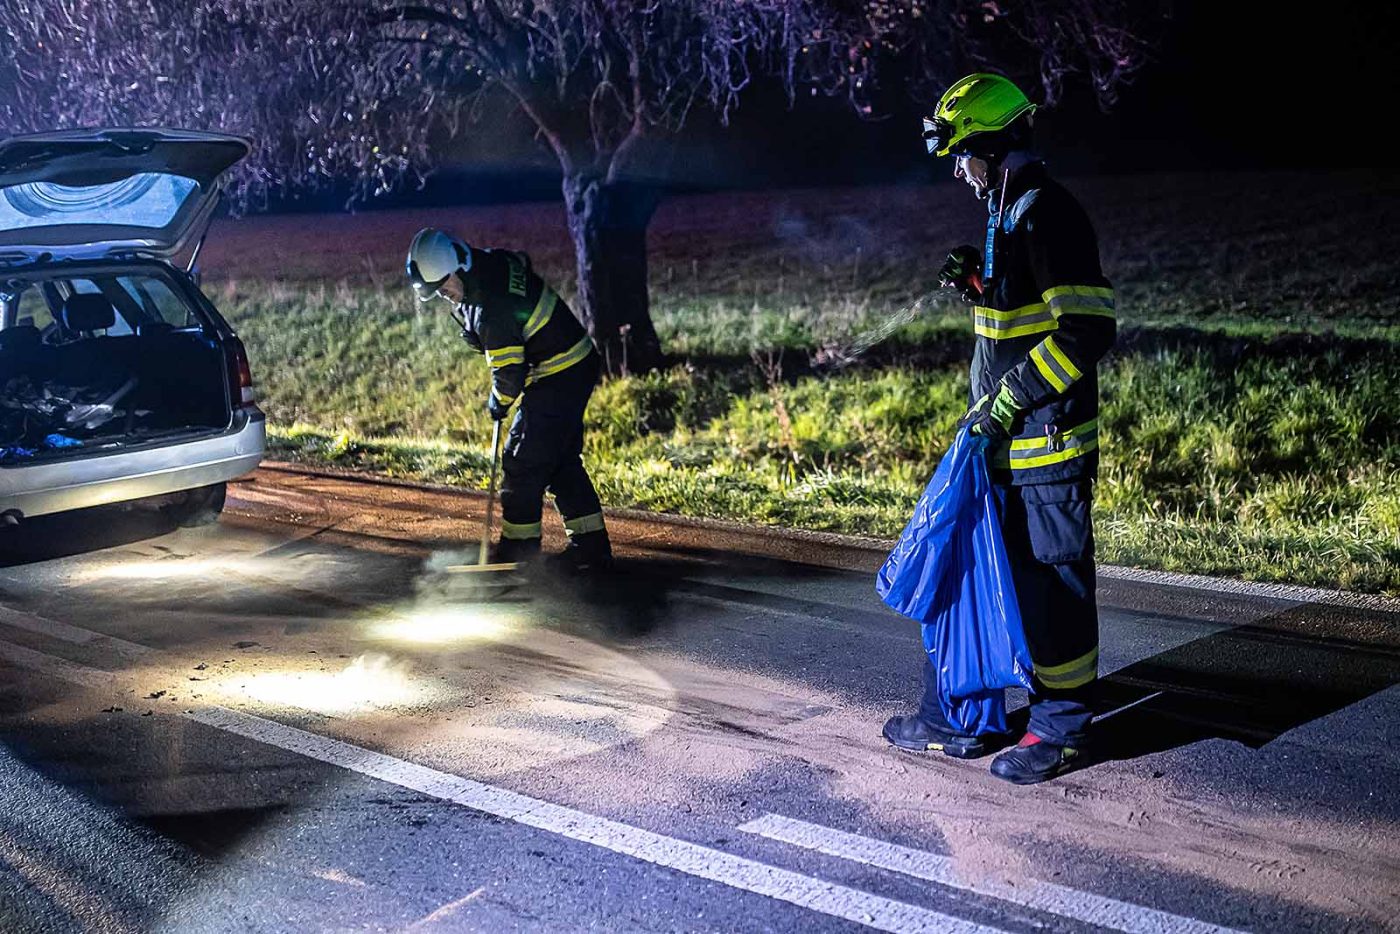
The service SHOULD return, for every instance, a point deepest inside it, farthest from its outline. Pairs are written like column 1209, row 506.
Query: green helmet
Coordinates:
column 980, row 103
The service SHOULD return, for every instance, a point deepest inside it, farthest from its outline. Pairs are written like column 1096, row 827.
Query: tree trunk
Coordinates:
column 608, row 223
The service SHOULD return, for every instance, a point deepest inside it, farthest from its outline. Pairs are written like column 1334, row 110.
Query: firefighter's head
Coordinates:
column 436, row 263
column 978, row 121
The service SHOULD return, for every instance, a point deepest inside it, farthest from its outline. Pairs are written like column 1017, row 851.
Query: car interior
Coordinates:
column 103, row 359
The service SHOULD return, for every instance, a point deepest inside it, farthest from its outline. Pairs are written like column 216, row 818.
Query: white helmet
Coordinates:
column 433, row 257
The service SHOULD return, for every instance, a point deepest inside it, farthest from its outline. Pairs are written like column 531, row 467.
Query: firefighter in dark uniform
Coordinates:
column 1043, row 315
column 540, row 355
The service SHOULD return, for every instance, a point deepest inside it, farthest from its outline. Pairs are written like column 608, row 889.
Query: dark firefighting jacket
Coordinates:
column 525, row 329
column 1046, row 318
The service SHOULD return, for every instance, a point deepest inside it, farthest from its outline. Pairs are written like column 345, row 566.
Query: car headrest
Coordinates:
column 23, row 336
column 88, row 311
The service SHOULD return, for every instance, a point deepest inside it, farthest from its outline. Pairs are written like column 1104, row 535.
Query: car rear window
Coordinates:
column 151, row 199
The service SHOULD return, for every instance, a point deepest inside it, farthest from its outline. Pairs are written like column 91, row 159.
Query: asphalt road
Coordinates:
column 300, row 720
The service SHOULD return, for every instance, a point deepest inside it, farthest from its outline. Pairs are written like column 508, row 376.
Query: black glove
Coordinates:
column 497, row 408
column 962, row 270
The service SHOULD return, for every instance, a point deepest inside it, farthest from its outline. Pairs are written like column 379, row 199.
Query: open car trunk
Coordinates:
column 104, row 361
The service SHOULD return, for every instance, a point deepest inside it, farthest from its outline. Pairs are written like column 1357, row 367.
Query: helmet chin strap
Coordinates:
column 995, row 169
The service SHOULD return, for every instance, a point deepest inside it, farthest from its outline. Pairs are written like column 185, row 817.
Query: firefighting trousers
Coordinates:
column 543, row 452
column 1049, row 540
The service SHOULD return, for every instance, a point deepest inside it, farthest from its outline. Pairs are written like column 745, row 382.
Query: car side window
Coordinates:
column 33, row 309
column 158, row 301
column 121, row 325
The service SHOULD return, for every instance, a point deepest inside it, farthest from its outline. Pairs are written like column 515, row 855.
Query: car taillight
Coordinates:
column 240, row 375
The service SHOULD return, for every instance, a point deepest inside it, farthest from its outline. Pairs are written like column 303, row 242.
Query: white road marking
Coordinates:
column 86, row 907
column 29, row 622
column 57, row 667
column 693, row 859
column 1040, row 896
column 1289, row 592
column 877, row 547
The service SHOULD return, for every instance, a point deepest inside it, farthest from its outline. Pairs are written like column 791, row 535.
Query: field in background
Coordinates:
column 1251, row 416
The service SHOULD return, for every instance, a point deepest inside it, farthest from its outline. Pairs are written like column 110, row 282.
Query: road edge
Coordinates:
column 875, row 549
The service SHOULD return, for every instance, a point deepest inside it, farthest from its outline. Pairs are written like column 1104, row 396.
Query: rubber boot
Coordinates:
column 1033, row 760
column 515, row 551
column 586, row 553
column 918, row 735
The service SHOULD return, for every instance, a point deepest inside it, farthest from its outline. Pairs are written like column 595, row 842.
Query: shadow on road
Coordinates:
column 63, row 535
column 1250, row 684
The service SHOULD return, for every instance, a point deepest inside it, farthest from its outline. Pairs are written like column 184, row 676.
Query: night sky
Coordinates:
column 1232, row 86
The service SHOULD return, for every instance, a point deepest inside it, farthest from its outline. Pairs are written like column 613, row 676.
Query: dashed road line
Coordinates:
column 683, row 856
column 932, row 867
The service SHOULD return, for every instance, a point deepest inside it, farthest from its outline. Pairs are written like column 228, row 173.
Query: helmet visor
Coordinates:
column 425, row 290
column 937, row 133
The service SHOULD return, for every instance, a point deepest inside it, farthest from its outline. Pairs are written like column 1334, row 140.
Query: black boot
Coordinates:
column 918, row 735
column 515, row 551
column 586, row 553
column 1034, row 760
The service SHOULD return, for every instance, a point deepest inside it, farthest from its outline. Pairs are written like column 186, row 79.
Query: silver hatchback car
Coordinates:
column 118, row 378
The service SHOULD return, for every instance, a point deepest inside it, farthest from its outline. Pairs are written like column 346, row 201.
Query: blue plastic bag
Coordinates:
column 949, row 572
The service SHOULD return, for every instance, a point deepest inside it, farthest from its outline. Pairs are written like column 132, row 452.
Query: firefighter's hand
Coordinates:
column 962, row 270
column 497, row 408
column 992, row 416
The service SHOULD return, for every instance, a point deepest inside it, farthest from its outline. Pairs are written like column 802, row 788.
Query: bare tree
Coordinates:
column 363, row 88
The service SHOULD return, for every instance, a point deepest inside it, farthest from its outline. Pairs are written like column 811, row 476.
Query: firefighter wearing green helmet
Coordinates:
column 1043, row 314
column 541, row 356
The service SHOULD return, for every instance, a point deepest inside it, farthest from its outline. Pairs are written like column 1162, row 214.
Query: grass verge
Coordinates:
column 1265, row 467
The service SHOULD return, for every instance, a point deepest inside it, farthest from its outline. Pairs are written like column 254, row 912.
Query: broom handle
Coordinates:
column 491, row 496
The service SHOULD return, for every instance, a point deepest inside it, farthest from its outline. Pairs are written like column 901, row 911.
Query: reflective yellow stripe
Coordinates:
column 1029, row 453
column 1000, row 325
column 584, row 524
column 1065, row 363
column 1080, row 300
column 544, row 310
column 1046, row 370
column 505, row 356
column 1025, row 311
column 560, row 362
column 1073, row 674
column 1084, row 291
column 996, row 333
column 518, row 530
column 503, row 400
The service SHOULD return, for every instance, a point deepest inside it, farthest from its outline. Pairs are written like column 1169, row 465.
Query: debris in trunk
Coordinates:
column 40, row 416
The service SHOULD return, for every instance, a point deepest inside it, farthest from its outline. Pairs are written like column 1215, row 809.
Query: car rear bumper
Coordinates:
column 40, row 489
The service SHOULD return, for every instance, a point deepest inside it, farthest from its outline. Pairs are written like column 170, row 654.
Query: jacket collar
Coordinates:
column 1023, row 171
